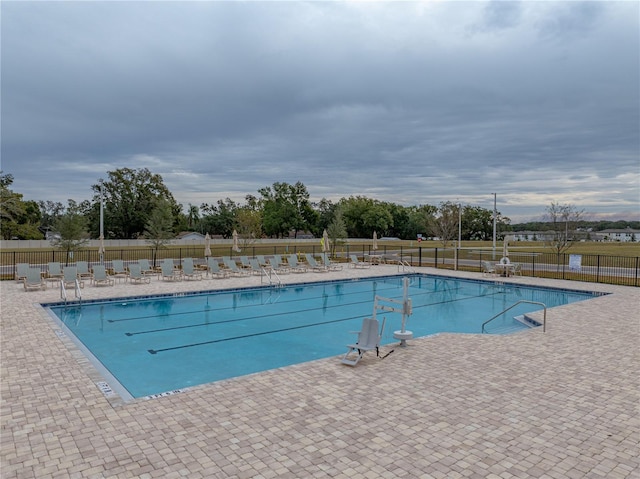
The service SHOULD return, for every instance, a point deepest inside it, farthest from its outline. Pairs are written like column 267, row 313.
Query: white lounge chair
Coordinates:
column 294, row 266
column 369, row 338
column 256, row 269
column 83, row 270
column 169, row 272
column 262, row 261
column 517, row 269
column 276, row 265
column 488, row 269
column 100, row 276
column 328, row 264
column 189, row 271
column 71, row 277
column 214, row 269
column 21, row 271
column 146, row 269
column 136, row 276
column 314, row 265
column 33, row 280
column 233, row 267
column 356, row 263
column 244, row 262
column 54, row 271
column 118, row 269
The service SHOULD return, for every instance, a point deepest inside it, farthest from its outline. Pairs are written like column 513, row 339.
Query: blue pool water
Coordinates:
column 164, row 343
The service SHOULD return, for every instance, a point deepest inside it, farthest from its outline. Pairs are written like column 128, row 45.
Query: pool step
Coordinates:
column 512, row 328
column 527, row 321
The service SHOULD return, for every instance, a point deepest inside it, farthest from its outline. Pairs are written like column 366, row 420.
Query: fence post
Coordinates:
column 598, row 270
column 419, row 256
column 533, row 266
column 435, row 265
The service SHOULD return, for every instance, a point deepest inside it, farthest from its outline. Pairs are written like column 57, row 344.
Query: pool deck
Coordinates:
column 563, row 404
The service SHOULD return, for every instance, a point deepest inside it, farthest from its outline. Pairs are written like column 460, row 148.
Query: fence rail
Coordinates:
column 621, row 270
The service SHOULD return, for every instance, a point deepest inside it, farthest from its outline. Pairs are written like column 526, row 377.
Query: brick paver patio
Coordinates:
column 564, row 404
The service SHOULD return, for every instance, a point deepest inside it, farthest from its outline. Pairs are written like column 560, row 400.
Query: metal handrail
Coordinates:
column 268, row 274
column 405, row 265
column 544, row 317
column 78, row 293
column 63, row 291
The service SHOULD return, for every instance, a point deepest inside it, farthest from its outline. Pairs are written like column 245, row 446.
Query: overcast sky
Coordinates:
column 408, row 102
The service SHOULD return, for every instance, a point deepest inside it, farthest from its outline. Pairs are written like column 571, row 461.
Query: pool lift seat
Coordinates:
column 369, row 338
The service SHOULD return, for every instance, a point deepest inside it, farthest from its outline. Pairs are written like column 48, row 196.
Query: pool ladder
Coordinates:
column 405, row 266
column 270, row 274
column 544, row 317
column 63, row 291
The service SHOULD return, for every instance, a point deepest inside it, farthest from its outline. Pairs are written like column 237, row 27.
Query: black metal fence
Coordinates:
column 621, row 270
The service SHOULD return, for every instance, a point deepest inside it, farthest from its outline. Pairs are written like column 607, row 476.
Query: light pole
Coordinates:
column 495, row 217
column 101, row 250
column 455, row 266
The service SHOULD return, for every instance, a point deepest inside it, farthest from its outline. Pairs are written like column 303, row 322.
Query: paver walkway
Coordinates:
column 564, row 404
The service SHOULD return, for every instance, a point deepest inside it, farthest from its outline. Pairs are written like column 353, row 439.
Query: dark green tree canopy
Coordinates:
column 286, row 208
column 18, row 219
column 364, row 215
column 129, row 198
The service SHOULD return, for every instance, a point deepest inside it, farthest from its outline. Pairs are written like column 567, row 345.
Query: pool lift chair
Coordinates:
column 368, row 336
column 368, row 339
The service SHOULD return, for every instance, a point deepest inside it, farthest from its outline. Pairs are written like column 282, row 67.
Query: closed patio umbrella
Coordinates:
column 235, row 247
column 374, row 247
column 325, row 242
column 207, row 245
column 505, row 249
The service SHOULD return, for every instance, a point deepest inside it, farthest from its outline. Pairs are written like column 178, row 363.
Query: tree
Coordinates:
column 249, row 225
column 19, row 219
column 219, row 219
column 563, row 219
column 477, row 223
column 10, row 202
column 193, row 217
column 159, row 229
column 72, row 230
column 445, row 224
column 363, row 216
column 130, row 196
column 50, row 211
column 336, row 230
column 286, row 208
column 325, row 210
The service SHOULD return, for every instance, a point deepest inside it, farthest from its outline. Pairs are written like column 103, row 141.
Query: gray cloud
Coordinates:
column 404, row 102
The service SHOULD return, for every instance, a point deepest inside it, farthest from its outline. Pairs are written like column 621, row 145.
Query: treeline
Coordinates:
column 137, row 204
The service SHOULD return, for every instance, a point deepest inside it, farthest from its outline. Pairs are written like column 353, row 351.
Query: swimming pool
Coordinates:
column 146, row 346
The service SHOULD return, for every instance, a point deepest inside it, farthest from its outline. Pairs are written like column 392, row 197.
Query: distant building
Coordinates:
column 532, row 235
column 190, row 236
column 623, row 236
column 51, row 235
column 301, row 235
